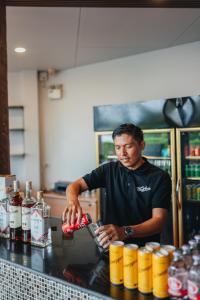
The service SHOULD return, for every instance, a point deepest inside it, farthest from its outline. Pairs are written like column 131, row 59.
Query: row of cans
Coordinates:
column 145, row 268
column 193, row 191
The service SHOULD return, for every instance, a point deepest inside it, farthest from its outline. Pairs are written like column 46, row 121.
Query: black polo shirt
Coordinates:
column 131, row 195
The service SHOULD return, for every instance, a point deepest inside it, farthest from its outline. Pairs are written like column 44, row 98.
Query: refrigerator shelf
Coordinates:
column 192, row 157
column 157, row 157
column 193, row 178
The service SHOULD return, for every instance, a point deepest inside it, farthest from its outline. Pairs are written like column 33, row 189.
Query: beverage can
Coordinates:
column 170, row 249
column 85, row 220
column 152, row 246
column 145, row 284
column 160, row 263
column 130, row 261
column 188, row 192
column 116, row 262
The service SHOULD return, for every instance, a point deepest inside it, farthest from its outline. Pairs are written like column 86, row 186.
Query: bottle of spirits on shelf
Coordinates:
column 40, row 222
column 4, row 215
column 15, row 210
column 27, row 203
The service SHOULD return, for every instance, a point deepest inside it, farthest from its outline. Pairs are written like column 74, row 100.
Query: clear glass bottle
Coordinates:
column 193, row 246
column 197, row 239
column 177, row 276
column 40, row 222
column 15, row 210
column 27, row 203
column 187, row 255
column 194, row 279
column 4, row 216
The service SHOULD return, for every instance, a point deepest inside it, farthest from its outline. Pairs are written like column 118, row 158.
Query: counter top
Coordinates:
column 75, row 261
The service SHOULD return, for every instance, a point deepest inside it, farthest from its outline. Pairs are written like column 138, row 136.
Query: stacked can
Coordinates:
column 116, row 262
column 130, row 266
column 170, row 249
column 152, row 246
column 160, row 264
column 145, row 283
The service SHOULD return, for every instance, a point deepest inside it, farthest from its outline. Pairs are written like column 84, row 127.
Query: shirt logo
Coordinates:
column 143, row 188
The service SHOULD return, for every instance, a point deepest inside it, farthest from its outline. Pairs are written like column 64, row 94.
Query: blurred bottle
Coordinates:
column 15, row 209
column 177, row 272
column 40, row 222
column 187, row 256
column 193, row 246
column 27, row 203
column 4, row 215
column 197, row 239
column 194, row 279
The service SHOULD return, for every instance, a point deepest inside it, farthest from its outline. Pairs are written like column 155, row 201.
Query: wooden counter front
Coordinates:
column 58, row 203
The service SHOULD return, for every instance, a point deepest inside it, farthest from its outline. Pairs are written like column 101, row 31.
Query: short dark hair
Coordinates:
column 131, row 129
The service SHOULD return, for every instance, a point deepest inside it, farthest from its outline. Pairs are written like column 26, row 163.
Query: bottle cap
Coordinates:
column 28, row 185
column 39, row 195
column 16, row 185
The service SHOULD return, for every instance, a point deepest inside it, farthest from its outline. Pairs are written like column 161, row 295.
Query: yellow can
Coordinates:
column 145, row 284
column 170, row 249
column 160, row 263
column 116, row 262
column 152, row 246
column 130, row 266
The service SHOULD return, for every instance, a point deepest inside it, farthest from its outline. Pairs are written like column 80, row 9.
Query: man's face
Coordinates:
column 128, row 150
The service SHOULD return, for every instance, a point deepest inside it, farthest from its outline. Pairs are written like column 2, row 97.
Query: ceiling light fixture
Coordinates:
column 20, row 50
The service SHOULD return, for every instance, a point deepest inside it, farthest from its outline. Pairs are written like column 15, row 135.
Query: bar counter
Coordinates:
column 68, row 269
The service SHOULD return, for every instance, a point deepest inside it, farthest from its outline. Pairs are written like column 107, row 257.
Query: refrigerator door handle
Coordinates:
column 178, row 183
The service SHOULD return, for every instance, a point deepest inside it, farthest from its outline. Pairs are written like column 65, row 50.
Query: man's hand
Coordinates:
column 72, row 212
column 108, row 233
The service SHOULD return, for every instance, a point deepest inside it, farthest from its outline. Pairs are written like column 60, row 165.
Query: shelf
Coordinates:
column 17, row 154
column 157, row 157
column 193, row 157
column 16, row 129
column 16, row 107
column 193, row 178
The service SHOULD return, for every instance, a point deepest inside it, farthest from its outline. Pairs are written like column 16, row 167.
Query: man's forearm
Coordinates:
column 149, row 227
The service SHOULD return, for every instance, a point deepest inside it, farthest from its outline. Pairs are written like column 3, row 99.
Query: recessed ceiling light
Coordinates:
column 20, row 50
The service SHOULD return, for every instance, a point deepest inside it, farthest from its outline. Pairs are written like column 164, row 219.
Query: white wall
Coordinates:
column 67, row 135
column 23, row 90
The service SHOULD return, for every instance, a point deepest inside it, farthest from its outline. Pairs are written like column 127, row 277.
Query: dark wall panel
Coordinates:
column 4, row 133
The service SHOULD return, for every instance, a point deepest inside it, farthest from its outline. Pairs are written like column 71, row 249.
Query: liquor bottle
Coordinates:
column 194, row 279
column 178, row 275
column 4, row 216
column 15, row 210
column 40, row 225
column 27, row 203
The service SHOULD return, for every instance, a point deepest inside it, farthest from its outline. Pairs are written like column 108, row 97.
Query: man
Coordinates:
column 137, row 193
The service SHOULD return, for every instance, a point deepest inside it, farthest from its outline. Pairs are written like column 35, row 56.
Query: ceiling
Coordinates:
column 68, row 37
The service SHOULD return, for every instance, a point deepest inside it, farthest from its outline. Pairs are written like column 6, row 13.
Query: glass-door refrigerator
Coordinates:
column 160, row 151
column 188, row 182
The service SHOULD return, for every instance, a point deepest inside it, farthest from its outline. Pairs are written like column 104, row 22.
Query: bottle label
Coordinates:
column 193, row 290
column 26, row 218
column 15, row 216
column 38, row 226
column 175, row 287
column 4, row 219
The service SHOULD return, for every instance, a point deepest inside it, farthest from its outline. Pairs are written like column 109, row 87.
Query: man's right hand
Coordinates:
column 73, row 210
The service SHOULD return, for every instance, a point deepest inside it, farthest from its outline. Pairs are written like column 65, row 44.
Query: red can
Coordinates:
column 85, row 220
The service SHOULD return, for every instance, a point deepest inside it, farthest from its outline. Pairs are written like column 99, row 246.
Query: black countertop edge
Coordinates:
column 58, row 280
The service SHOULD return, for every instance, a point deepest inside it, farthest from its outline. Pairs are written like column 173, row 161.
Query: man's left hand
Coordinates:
column 108, row 233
